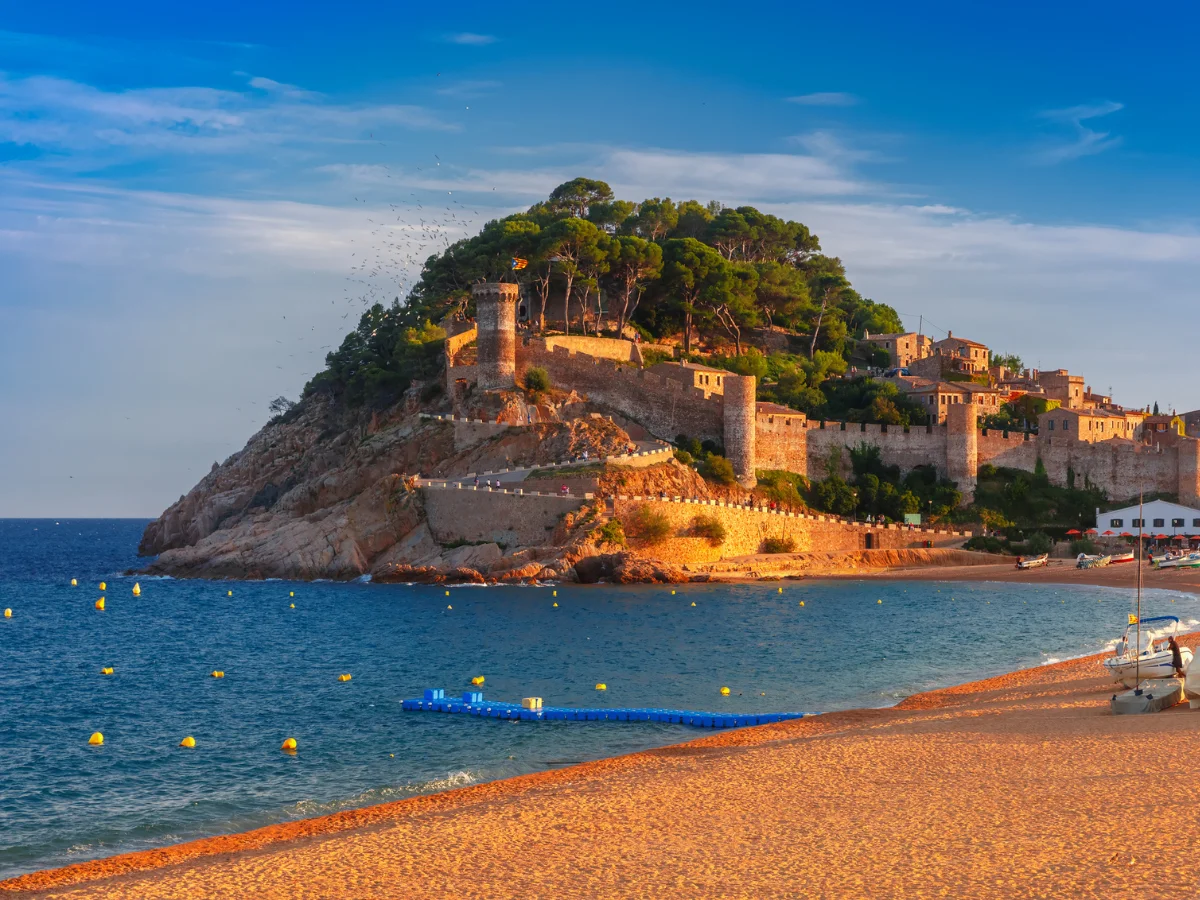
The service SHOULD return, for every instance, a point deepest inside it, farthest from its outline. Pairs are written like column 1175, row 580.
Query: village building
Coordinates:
column 1061, row 385
column 952, row 356
column 1151, row 518
column 1089, row 425
column 939, row 396
column 902, row 349
column 689, row 374
column 1165, row 429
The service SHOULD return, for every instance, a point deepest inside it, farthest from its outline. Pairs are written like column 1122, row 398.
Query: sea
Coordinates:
column 811, row 645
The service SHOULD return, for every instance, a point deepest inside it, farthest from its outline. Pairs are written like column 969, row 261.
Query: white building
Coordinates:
column 1161, row 517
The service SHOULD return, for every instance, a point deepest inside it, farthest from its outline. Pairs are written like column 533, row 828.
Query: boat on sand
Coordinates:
column 1132, row 663
column 1032, row 562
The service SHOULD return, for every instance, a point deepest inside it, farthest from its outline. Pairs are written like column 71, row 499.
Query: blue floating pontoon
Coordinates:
column 473, row 704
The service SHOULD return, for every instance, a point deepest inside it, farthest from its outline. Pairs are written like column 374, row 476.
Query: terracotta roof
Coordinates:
column 962, row 341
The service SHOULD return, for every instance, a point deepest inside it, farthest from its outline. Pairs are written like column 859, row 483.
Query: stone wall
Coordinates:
column 920, row 445
column 1118, row 467
column 599, row 347
column 781, row 442
column 664, row 407
column 503, row 517
column 1011, row 450
column 746, row 529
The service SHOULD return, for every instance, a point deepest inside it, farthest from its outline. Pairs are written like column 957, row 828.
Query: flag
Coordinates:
column 519, row 264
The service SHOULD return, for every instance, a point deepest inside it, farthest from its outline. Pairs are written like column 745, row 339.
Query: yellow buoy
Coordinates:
column 96, row 739
column 345, row 677
column 74, row 583
column 188, row 741
column 477, row 680
column 672, row 593
column 449, row 607
column 218, row 673
column 447, row 593
column 291, row 606
column 724, row 692
column 229, row 593
column 137, row 589
column 7, row 613
column 289, row 745
column 556, row 604
column 107, row 670
column 801, row 602
column 103, row 586
column 602, row 686
column 556, row 593
column 291, row 593
column 878, row 601
column 100, row 603
column 693, row 603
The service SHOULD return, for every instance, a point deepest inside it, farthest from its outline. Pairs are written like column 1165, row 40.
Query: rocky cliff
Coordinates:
column 327, row 492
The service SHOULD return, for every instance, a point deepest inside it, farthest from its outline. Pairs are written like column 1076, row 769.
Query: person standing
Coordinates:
column 1176, row 656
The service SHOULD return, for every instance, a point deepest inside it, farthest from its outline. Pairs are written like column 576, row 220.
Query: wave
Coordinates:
column 305, row 809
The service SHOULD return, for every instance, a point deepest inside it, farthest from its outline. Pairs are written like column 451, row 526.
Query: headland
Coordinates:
column 1018, row 786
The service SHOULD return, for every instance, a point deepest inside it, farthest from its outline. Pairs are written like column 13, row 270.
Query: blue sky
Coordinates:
column 186, row 195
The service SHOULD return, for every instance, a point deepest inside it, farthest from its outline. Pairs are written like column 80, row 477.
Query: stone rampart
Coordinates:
column 1120, row 468
column 456, row 342
column 918, row 445
column 1008, row 449
column 746, row 529
column 599, row 347
column 503, row 517
column 781, row 442
column 664, row 407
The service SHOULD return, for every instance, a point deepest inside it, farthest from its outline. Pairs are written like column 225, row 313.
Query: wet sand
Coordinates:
column 1018, row 786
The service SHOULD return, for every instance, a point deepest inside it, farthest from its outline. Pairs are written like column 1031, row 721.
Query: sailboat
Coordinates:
column 1146, row 657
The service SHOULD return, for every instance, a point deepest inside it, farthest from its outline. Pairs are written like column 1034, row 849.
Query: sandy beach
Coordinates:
column 1017, row 786
column 1059, row 571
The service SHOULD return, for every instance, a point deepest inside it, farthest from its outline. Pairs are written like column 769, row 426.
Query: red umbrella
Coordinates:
column 1126, row 534
column 1160, row 537
column 1091, row 531
column 1109, row 532
column 1073, row 531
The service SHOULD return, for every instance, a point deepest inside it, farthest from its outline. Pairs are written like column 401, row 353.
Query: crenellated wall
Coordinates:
column 781, row 442
column 920, row 445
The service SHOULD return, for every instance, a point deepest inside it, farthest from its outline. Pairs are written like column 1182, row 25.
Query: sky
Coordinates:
column 188, row 193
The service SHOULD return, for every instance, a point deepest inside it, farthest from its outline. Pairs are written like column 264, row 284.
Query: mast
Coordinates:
column 1137, row 665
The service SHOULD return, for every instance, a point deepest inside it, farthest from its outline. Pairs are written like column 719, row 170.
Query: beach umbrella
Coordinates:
column 1107, row 533
column 1073, row 531
column 1090, row 531
column 1126, row 534
column 1160, row 537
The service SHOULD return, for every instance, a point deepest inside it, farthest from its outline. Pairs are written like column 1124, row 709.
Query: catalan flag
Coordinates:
column 519, row 263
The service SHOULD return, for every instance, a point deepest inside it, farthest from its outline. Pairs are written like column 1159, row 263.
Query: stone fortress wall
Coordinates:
column 774, row 438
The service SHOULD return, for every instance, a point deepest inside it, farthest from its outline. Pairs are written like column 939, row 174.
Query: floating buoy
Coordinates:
column 780, row 590
column 103, row 586
column 556, row 604
column 449, row 607
column 801, row 602
column 291, row 593
column 188, row 741
column 447, row 593
column 693, row 603
column 96, row 739
column 218, row 673
column 7, row 613
column 229, row 593
column 100, row 603
column 288, row 746
column 878, row 601
column 107, row 670
column 602, row 686
column 74, row 583
column 137, row 589
column 391, row 756
column 291, row 606
column 345, row 677
column 477, row 680
column 724, row 692
column 672, row 593
column 556, row 593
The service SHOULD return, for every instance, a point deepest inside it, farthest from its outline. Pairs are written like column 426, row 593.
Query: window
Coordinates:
column 1139, row 523
column 1159, row 523
column 1177, row 523
column 1116, row 523
column 1196, row 523
column 1066, row 425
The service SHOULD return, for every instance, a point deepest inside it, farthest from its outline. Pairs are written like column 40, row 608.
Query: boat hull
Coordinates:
column 1128, row 670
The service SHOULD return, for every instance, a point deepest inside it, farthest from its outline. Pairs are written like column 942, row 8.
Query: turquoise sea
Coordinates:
column 62, row 801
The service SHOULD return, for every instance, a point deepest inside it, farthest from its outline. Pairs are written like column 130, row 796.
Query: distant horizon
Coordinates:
column 186, row 203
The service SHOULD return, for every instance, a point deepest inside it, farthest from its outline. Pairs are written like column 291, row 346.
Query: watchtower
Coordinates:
column 496, row 348
column 962, row 447
column 740, row 406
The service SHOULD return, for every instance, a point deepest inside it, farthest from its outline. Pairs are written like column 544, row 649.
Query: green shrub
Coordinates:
column 1083, row 545
column 537, row 380
column 718, row 468
column 611, row 532
column 778, row 545
column 684, row 457
column 709, row 528
column 1038, row 543
column 985, row 544
column 650, row 527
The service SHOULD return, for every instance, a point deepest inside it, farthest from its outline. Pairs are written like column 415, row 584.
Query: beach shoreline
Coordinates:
column 462, row 833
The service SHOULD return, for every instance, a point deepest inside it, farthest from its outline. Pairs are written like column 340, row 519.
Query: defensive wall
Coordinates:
column 616, row 349
column 746, row 528
column 457, row 512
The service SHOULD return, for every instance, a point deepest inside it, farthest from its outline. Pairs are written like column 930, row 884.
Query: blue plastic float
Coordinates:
column 473, row 704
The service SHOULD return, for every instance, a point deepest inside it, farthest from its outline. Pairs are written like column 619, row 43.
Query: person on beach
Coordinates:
column 1176, row 657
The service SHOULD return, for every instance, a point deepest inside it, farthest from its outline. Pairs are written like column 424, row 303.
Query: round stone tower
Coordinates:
column 740, row 426
column 496, row 347
column 962, row 447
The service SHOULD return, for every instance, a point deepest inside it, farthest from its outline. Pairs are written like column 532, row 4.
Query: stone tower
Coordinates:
column 962, row 447
column 740, row 426
column 496, row 349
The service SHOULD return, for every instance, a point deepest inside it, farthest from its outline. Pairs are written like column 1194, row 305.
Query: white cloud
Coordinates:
column 1085, row 141
column 471, row 39
column 824, row 98
column 62, row 115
